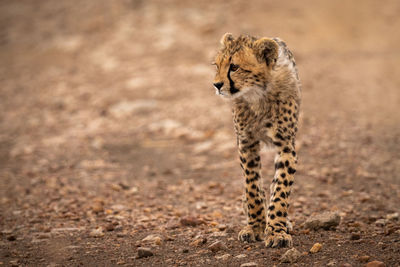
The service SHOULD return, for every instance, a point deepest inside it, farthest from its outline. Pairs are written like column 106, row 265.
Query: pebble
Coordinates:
column 110, row 227
column 392, row 216
column 97, row 232
column 346, row 265
column 43, row 235
column 155, row 239
column 364, row 258
column 290, row 256
column 380, row 222
column 217, row 246
column 331, row 263
column 326, row 220
column 198, row 241
column 144, row 252
column 249, row 264
column 223, row 257
column 97, row 207
column 375, row 264
column 190, row 221
column 315, row 248
column 240, row 256
column 355, row 236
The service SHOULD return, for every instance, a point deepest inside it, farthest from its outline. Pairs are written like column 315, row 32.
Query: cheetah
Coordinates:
column 259, row 77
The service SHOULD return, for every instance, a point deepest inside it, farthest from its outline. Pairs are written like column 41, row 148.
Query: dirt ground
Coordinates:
column 110, row 132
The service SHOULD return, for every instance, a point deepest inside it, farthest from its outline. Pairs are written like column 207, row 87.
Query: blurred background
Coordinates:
column 108, row 117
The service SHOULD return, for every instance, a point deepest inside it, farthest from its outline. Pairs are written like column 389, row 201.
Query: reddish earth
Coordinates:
column 110, row 132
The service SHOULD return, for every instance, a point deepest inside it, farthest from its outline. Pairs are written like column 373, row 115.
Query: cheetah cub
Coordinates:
column 260, row 79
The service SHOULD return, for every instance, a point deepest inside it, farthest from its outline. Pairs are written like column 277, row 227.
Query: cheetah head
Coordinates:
column 244, row 66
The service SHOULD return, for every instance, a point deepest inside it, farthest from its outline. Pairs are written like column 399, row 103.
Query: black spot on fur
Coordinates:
column 279, row 165
column 251, row 164
column 278, row 143
column 272, row 216
column 272, row 207
column 268, row 125
column 291, row 170
column 279, row 136
column 283, row 195
column 279, row 213
column 251, row 194
column 286, row 150
column 283, row 175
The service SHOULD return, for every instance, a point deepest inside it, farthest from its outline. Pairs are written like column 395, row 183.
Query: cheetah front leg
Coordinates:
column 254, row 204
column 277, row 233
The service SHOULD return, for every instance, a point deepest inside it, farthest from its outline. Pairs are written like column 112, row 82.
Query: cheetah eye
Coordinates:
column 233, row 67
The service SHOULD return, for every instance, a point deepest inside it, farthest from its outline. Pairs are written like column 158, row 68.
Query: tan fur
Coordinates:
column 260, row 78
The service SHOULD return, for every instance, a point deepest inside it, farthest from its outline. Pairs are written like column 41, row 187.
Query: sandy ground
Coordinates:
column 110, row 132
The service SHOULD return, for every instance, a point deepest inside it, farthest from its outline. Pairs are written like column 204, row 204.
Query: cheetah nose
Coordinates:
column 218, row 85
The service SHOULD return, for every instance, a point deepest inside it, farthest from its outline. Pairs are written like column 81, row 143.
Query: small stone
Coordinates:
column 345, row 265
column 43, row 236
column 190, row 221
column 155, row 239
column 290, row 256
column 110, row 227
column 198, row 241
column 355, row 236
column 217, row 246
column 331, row 263
column 326, row 220
column 241, row 256
column 97, row 232
column 315, row 248
column 144, row 252
column 375, row 264
column 185, row 250
column 97, row 207
column 364, row 258
column 224, row 257
column 380, row 222
column 392, row 216
column 249, row 264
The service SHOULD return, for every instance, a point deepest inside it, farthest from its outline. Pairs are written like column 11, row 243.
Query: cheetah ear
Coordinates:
column 226, row 39
column 266, row 50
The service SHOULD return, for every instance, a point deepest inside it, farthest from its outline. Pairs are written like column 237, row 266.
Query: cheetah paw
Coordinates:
column 248, row 234
column 278, row 240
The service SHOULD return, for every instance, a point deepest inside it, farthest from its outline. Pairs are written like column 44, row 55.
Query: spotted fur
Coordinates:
column 259, row 77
